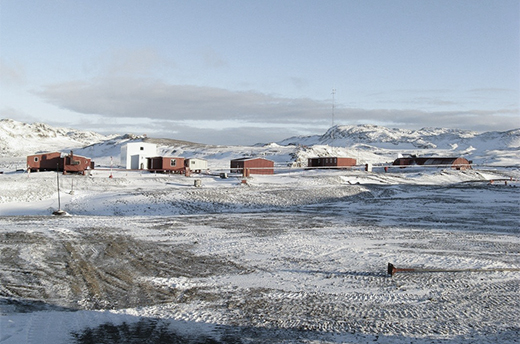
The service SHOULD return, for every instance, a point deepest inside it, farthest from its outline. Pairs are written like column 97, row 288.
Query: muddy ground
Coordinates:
column 309, row 273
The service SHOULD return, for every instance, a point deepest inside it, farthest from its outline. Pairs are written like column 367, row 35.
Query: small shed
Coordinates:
column 457, row 163
column 56, row 162
column 331, row 162
column 196, row 165
column 252, row 166
column 165, row 164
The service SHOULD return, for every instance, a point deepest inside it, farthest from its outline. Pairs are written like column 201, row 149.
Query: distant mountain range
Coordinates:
column 369, row 143
column 20, row 139
column 426, row 138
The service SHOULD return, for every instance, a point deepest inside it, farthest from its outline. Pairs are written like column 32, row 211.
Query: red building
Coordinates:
column 166, row 164
column 453, row 162
column 248, row 166
column 331, row 162
column 56, row 162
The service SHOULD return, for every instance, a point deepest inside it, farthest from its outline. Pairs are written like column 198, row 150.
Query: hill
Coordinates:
column 494, row 147
column 426, row 138
column 366, row 143
column 20, row 139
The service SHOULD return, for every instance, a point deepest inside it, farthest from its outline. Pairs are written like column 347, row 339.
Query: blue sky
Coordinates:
column 242, row 72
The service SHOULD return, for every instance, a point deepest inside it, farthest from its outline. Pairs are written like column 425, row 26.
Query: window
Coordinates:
column 141, row 148
column 36, row 159
column 173, row 162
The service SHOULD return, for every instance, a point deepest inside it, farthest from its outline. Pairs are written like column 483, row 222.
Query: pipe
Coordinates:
column 391, row 270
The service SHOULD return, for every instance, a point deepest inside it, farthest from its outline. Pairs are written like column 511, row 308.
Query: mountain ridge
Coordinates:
column 367, row 143
column 424, row 138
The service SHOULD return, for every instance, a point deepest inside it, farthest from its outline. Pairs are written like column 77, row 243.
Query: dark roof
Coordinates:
column 250, row 158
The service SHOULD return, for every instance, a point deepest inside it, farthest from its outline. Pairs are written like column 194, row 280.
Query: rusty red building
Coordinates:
column 166, row 164
column 248, row 166
column 55, row 161
column 331, row 162
column 457, row 163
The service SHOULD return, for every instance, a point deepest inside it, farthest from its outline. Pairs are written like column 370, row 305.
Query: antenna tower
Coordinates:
column 333, row 105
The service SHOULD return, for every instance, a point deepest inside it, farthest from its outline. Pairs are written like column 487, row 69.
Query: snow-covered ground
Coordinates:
column 296, row 257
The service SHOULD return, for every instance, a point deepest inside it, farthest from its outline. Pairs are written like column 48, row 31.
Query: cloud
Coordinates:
column 212, row 59
column 244, row 135
column 19, row 115
column 129, row 62
column 299, row 83
column 12, row 73
column 478, row 120
column 219, row 116
column 154, row 99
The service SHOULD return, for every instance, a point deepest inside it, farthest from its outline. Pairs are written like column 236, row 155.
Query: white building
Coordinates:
column 134, row 154
column 196, row 165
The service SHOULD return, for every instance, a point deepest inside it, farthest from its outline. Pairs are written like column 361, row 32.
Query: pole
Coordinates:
column 58, row 183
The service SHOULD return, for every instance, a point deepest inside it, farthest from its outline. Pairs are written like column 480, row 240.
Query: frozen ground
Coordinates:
column 299, row 257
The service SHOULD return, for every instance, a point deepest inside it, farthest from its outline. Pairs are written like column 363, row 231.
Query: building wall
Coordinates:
column 196, row 164
column 166, row 164
column 55, row 162
column 456, row 163
column 461, row 164
column 75, row 164
column 45, row 162
column 134, row 154
column 255, row 166
column 346, row 162
column 331, row 162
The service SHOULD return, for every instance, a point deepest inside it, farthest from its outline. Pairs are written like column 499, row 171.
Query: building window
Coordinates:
column 142, row 148
column 173, row 162
column 36, row 159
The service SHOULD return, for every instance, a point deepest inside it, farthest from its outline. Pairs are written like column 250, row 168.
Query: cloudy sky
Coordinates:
column 242, row 72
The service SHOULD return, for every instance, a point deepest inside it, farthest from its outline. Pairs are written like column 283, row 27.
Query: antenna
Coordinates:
column 333, row 105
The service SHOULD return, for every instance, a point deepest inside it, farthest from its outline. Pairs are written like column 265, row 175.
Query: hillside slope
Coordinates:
column 391, row 138
column 20, row 139
column 366, row 143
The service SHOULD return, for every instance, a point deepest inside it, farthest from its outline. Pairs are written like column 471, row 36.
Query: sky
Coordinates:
column 246, row 72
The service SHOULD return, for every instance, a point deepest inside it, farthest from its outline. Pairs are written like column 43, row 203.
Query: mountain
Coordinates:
column 488, row 148
column 366, row 143
column 426, row 138
column 21, row 139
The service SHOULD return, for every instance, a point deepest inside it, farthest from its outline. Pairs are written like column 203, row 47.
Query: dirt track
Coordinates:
column 96, row 268
column 271, row 263
column 205, row 264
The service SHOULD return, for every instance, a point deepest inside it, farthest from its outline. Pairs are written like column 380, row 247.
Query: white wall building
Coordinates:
column 196, row 165
column 134, row 154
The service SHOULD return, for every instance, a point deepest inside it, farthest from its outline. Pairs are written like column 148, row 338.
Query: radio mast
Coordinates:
column 333, row 105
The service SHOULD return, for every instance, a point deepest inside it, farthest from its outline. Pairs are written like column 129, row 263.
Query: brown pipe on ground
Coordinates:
column 391, row 270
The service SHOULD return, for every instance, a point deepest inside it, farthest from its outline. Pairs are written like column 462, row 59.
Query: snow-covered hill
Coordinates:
column 20, row 139
column 426, row 138
column 366, row 143
column 483, row 148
